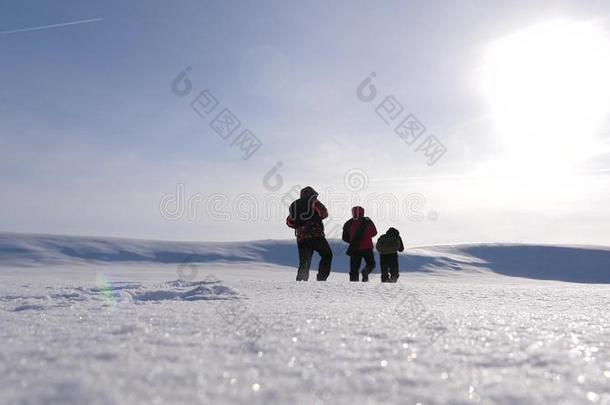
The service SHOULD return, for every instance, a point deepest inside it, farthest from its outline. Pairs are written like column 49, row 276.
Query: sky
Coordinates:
column 111, row 118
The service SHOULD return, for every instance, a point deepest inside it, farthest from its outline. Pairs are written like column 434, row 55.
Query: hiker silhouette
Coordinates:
column 359, row 232
column 388, row 245
column 305, row 217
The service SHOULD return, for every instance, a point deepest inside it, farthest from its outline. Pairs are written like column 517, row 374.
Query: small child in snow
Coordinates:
column 388, row 245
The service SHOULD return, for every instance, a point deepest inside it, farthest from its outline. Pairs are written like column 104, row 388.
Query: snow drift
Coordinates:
column 581, row 264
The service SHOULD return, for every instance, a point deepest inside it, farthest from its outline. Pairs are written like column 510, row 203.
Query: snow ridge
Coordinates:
column 583, row 264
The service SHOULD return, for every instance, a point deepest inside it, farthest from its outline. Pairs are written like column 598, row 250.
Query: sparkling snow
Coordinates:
column 138, row 333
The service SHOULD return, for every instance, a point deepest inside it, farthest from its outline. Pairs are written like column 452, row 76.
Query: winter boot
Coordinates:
column 302, row 275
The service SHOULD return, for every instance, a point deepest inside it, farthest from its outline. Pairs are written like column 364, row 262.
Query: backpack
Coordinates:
column 387, row 244
column 357, row 236
column 300, row 212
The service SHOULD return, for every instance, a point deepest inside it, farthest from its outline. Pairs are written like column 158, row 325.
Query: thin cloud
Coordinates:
column 46, row 27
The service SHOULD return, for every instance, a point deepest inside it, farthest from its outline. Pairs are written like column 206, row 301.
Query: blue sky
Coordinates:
column 92, row 137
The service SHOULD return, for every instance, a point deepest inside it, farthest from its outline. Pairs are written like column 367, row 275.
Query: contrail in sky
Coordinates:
column 45, row 27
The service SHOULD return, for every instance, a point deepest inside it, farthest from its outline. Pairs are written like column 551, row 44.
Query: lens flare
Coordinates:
column 107, row 291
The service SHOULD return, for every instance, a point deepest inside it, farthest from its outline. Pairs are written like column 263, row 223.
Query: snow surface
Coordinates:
column 116, row 321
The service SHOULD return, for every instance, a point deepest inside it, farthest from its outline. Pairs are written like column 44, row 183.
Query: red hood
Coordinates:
column 357, row 212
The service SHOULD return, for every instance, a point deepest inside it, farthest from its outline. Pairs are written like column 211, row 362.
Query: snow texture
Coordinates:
column 113, row 321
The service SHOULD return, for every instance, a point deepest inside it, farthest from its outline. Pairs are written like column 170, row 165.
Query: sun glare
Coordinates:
column 549, row 91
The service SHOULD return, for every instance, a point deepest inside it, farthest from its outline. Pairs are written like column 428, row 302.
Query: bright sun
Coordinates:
column 549, row 91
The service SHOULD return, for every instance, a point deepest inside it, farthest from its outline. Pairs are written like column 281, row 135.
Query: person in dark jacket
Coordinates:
column 359, row 232
column 305, row 217
column 388, row 245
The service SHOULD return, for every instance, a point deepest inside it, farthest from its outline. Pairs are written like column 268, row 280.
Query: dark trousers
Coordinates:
column 388, row 263
column 306, row 249
column 355, row 261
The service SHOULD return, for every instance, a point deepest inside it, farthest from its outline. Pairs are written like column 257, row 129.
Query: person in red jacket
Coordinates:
column 305, row 217
column 359, row 232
